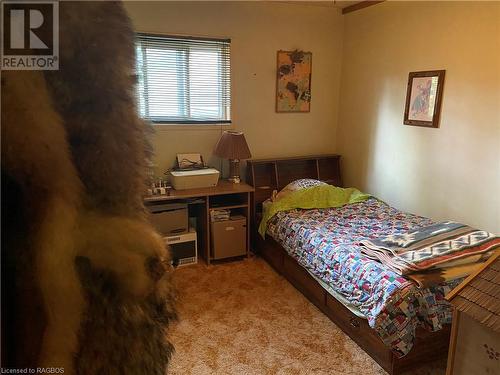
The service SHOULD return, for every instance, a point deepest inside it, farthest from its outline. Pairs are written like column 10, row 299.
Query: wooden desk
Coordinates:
column 227, row 195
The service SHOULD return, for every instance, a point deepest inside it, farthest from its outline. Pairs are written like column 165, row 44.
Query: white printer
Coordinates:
column 191, row 173
column 196, row 178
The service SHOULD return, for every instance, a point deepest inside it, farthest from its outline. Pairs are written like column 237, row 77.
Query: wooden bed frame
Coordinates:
column 267, row 175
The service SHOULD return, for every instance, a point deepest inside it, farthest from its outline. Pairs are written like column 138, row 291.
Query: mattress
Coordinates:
column 326, row 243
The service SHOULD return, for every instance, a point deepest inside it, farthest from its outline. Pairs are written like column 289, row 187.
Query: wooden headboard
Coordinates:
column 266, row 175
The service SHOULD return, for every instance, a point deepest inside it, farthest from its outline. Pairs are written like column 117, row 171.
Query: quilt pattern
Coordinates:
column 326, row 242
column 434, row 246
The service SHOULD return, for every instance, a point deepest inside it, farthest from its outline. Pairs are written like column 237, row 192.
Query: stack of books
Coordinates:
column 220, row 215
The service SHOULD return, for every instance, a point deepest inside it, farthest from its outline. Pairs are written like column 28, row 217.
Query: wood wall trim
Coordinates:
column 455, row 321
column 360, row 5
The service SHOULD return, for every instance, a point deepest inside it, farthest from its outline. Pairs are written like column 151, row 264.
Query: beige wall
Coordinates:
column 257, row 31
column 448, row 173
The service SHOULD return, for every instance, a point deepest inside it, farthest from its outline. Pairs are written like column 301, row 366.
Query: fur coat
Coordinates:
column 86, row 281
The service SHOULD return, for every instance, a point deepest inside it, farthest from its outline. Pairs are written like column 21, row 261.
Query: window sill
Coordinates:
column 170, row 126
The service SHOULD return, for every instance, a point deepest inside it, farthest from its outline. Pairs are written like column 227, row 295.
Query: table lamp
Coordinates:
column 233, row 146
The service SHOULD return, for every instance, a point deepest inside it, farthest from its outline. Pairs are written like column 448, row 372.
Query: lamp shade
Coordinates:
column 232, row 145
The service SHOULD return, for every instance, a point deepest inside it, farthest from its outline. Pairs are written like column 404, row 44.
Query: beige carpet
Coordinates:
column 243, row 318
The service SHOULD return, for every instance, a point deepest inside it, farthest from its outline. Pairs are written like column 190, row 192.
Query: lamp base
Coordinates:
column 234, row 171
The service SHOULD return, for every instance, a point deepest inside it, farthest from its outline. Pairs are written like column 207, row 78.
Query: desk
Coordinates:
column 227, row 195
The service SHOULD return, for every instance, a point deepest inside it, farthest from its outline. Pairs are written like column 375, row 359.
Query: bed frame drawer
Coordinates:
column 435, row 344
column 358, row 329
column 270, row 251
column 303, row 281
column 428, row 346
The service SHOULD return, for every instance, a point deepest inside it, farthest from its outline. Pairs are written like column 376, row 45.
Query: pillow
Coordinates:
column 296, row 185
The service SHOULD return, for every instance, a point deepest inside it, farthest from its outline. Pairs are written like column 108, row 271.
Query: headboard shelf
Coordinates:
column 291, row 158
column 267, row 175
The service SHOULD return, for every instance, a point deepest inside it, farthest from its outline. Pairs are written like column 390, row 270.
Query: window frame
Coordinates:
column 205, row 124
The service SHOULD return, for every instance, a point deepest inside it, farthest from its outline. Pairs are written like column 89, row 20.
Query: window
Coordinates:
column 183, row 80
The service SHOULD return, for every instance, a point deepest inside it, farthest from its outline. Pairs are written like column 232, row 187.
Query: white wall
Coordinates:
column 448, row 173
column 257, row 30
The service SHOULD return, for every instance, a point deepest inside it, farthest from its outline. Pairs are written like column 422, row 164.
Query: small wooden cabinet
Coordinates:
column 226, row 195
column 228, row 238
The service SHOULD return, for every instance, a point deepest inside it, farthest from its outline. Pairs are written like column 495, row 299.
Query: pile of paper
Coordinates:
column 219, row 215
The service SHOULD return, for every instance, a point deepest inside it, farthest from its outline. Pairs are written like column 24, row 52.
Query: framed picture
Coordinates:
column 293, row 81
column 423, row 98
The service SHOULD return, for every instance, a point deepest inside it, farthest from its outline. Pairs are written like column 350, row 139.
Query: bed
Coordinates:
column 399, row 325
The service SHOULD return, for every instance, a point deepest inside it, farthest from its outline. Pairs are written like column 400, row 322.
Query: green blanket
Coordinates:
column 322, row 196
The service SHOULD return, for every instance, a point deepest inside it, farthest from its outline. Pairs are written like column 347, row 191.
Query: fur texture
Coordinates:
column 73, row 152
column 94, row 91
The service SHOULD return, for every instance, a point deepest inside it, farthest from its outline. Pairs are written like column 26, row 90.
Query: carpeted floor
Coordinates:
column 243, row 318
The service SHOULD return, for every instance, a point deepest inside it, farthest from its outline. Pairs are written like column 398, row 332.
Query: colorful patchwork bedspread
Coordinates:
column 326, row 242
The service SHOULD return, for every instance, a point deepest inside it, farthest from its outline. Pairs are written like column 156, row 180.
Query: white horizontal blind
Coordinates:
column 183, row 80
